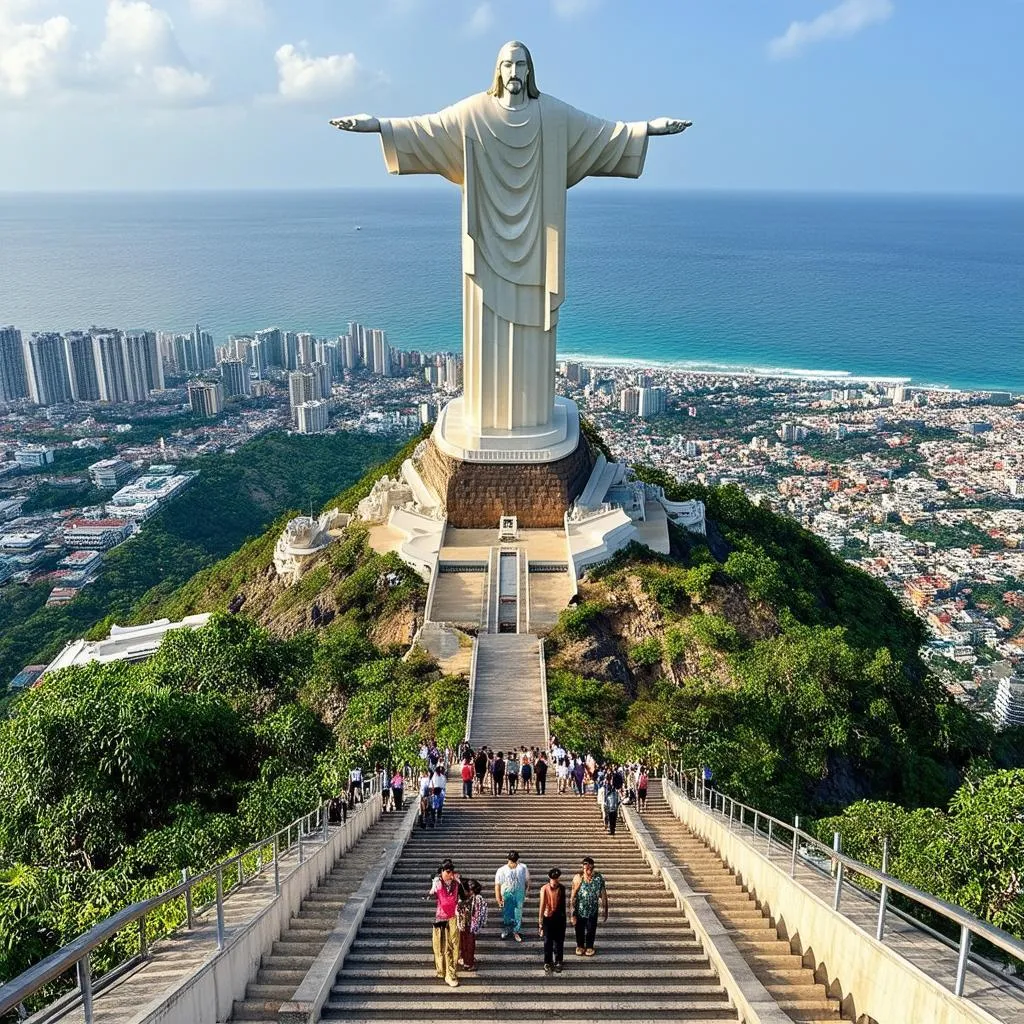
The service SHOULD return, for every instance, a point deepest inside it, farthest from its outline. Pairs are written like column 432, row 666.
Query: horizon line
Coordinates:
column 604, row 187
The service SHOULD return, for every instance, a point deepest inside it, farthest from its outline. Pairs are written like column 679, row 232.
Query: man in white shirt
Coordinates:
column 355, row 785
column 511, row 887
column 437, row 783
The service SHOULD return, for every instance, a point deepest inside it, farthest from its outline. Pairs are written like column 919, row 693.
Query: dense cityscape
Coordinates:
column 923, row 488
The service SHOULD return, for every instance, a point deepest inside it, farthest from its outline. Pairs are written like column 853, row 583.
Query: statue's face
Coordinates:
column 513, row 69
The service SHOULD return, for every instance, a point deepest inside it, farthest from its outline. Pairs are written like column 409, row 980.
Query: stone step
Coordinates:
column 443, row 1006
column 500, row 967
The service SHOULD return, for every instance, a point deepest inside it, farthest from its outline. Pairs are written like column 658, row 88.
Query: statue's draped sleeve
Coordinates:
column 611, row 149
column 425, row 144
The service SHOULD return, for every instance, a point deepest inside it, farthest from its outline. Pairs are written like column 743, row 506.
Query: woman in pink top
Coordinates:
column 445, row 889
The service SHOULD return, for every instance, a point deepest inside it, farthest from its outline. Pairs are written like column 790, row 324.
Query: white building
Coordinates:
column 206, row 398
column 312, row 417
column 109, row 474
column 47, row 370
column 96, row 534
column 234, row 375
column 125, row 643
column 32, row 456
column 141, row 498
column 13, row 381
column 1009, row 705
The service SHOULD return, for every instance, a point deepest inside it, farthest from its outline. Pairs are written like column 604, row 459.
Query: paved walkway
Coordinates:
column 986, row 989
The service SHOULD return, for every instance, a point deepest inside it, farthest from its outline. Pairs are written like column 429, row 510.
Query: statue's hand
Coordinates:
column 357, row 123
column 667, row 126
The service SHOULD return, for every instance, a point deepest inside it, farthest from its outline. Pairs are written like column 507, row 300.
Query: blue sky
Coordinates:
column 853, row 95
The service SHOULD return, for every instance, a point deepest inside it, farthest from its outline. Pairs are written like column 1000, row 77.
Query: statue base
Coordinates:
column 549, row 442
column 475, row 495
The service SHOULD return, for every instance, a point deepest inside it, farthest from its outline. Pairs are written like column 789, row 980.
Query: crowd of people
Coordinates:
column 461, row 908
column 461, row 913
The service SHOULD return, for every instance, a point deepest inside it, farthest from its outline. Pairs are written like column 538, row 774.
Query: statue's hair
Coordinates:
column 498, row 89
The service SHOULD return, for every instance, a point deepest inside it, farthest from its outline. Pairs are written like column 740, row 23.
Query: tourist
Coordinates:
column 512, row 770
column 589, row 894
column 642, row 780
column 355, row 785
column 511, row 887
column 551, row 921
column 526, row 773
column 467, row 779
column 472, row 917
column 437, row 783
column 425, row 790
column 397, row 788
column 445, row 889
column 480, row 764
column 612, row 799
column 542, row 773
column 562, row 774
column 709, row 783
column 578, row 774
column 498, row 773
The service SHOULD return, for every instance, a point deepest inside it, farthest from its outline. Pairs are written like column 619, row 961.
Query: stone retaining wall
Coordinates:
column 477, row 494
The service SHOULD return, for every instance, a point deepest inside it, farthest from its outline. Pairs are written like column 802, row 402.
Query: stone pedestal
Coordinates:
column 477, row 494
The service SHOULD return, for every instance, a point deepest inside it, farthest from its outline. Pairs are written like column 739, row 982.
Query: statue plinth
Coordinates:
column 476, row 493
column 458, row 438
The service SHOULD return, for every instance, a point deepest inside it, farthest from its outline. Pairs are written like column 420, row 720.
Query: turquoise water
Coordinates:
column 930, row 289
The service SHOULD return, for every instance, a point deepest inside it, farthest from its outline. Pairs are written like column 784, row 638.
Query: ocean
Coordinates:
column 926, row 289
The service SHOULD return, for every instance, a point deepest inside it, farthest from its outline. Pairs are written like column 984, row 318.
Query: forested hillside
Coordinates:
column 234, row 498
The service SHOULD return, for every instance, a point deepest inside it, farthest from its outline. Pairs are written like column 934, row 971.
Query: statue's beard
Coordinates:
column 515, row 86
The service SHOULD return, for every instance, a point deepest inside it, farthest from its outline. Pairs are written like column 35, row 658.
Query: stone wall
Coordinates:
column 477, row 494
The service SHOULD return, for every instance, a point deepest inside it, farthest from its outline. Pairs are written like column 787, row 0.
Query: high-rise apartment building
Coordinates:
column 108, row 357
column 13, row 379
column 206, row 397
column 305, row 345
column 144, row 370
column 291, row 350
column 629, row 401
column 307, row 384
column 312, row 417
column 81, row 360
column 349, row 351
column 258, row 352
column 452, row 372
column 234, row 375
column 651, row 402
column 47, row 372
column 272, row 340
column 379, row 351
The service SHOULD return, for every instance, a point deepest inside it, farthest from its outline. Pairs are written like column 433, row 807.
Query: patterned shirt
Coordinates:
column 588, row 895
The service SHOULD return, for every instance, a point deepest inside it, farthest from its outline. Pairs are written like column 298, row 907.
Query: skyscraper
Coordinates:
column 306, row 385
column 651, row 401
column 235, row 378
column 258, row 353
column 629, row 401
column 291, row 350
column 206, row 397
column 305, row 346
column 13, row 380
column 47, row 372
column 379, row 352
column 272, row 340
column 144, row 371
column 81, row 360
column 108, row 356
column 312, row 417
column 350, row 351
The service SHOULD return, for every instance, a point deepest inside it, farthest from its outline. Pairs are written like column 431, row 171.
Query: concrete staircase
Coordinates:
column 293, row 954
column 648, row 966
column 508, row 703
column 776, row 966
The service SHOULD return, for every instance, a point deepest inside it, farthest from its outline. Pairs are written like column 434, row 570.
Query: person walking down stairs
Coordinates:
column 551, row 919
column 589, row 893
column 511, row 887
column 445, row 890
column 472, row 917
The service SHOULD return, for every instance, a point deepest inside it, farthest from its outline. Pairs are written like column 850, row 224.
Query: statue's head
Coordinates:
column 513, row 72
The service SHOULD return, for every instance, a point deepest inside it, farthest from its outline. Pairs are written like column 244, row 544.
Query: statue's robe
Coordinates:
column 514, row 167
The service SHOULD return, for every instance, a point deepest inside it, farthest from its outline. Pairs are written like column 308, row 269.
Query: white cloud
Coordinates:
column 180, row 85
column 569, row 9
column 847, row 19
column 140, row 52
column 33, row 55
column 481, row 20
column 242, row 12
column 301, row 77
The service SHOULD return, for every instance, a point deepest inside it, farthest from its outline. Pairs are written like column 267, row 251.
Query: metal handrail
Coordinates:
column 75, row 954
column 691, row 780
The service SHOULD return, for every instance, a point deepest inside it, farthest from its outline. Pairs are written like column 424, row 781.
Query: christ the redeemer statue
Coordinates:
column 515, row 152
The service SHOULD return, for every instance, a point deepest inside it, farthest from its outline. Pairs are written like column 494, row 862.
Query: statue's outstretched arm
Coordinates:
column 357, row 123
column 663, row 126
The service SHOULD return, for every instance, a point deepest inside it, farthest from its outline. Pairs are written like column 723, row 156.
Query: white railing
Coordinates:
column 831, row 861
column 199, row 893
